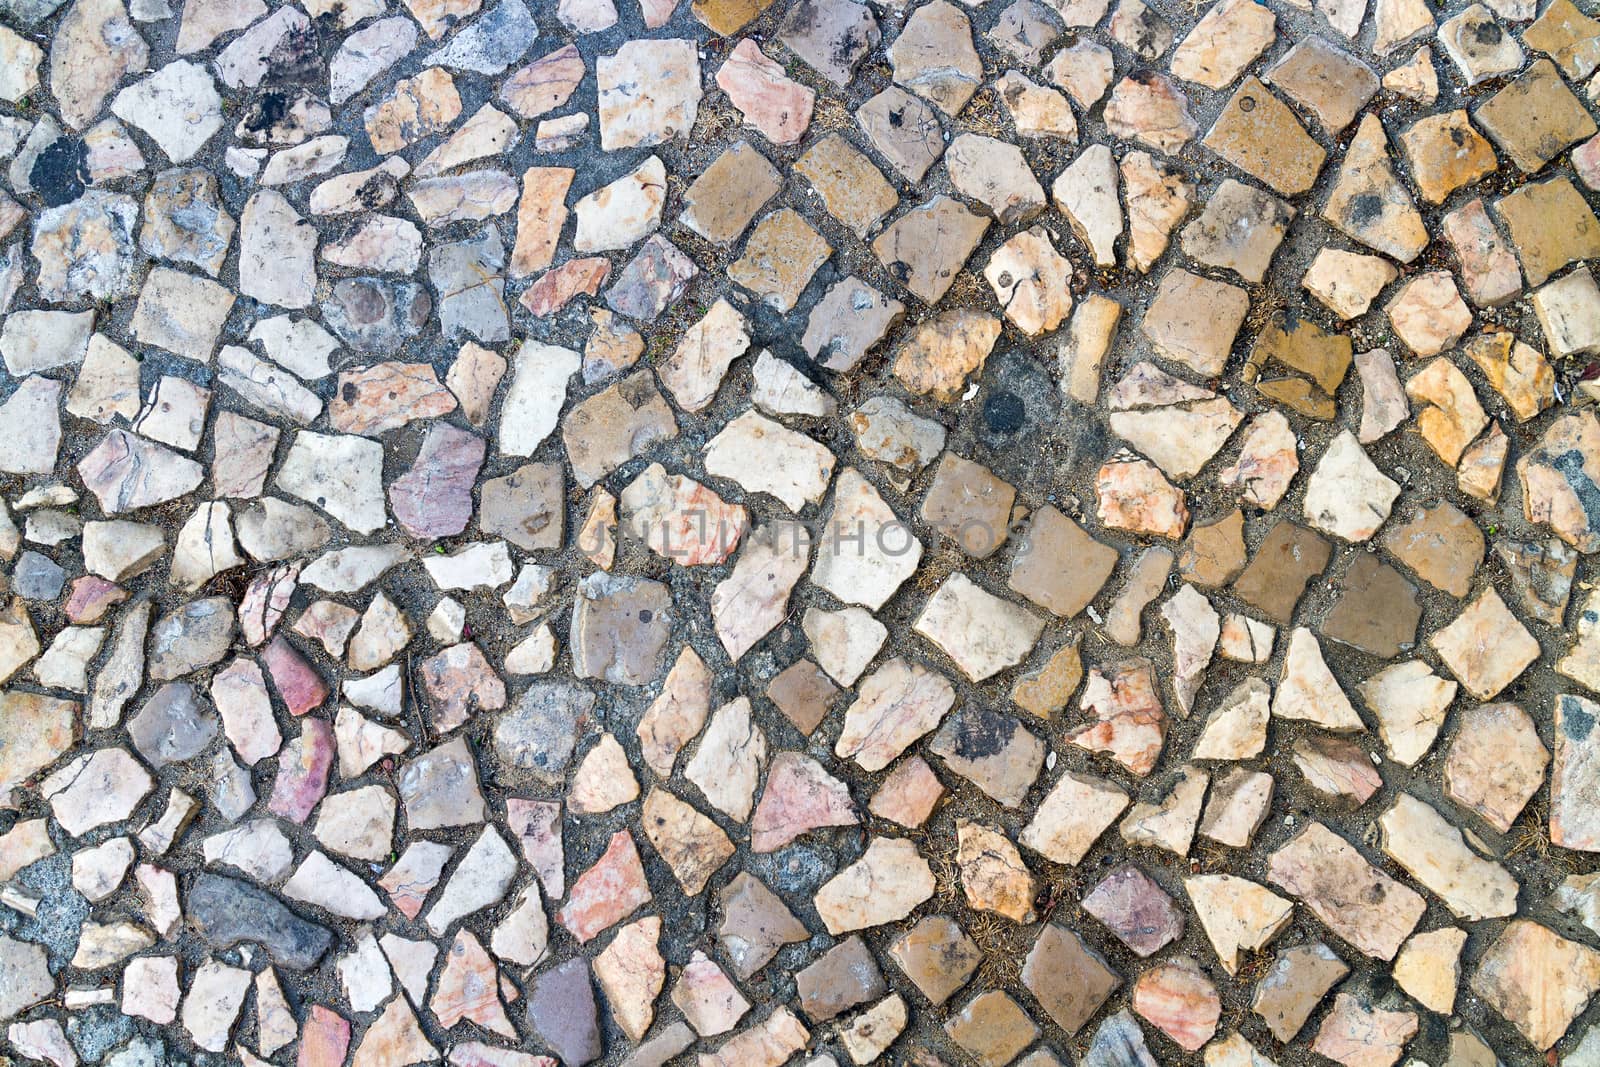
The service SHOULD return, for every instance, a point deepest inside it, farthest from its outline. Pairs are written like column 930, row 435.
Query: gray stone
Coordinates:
column 173, row 726
column 541, row 731
column 226, row 912
column 561, row 1010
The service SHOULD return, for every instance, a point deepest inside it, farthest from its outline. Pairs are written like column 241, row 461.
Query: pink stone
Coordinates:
column 90, row 598
column 460, row 682
column 1177, row 997
column 1131, row 725
column 434, row 497
column 303, row 766
column 325, row 1038
column 537, row 826
column 1133, row 495
column 1586, row 161
column 908, row 795
column 301, row 688
column 771, row 102
column 557, row 288
column 608, row 892
column 1488, row 269
column 800, row 796
column 467, row 988
column 265, row 601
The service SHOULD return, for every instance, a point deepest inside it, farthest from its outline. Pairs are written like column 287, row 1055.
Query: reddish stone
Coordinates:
column 608, row 892
column 324, row 1040
column 434, row 497
column 303, row 766
column 90, row 598
column 296, row 682
column 557, row 288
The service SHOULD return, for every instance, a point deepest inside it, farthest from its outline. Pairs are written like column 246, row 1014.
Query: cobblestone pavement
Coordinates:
column 758, row 532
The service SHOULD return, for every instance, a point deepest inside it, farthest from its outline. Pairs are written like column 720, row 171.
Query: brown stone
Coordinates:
column 1294, row 985
column 1214, row 553
column 1377, row 610
column 1289, row 557
column 1446, row 152
column 937, row 955
column 841, row 978
column 1068, row 978
column 1441, row 545
column 1058, row 565
column 804, row 693
column 1259, row 134
column 1536, row 117
column 1551, row 225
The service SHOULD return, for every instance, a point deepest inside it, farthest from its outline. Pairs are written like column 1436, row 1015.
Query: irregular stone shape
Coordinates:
column 925, row 247
column 1146, row 107
column 937, row 956
column 889, row 880
column 276, row 252
column 843, row 977
column 934, row 58
column 897, row 704
column 1072, row 816
column 1377, row 610
column 85, row 248
column 226, row 912
column 607, row 892
column 1551, row 226
column 1179, row 1000
column 415, row 108
column 1535, row 117
column 904, row 131
column 777, row 106
column 1069, row 979
column 1178, row 425
column 1236, row 914
column 1361, row 904
column 1137, row 910
column 755, row 924
column 1239, row 229
column 1495, row 763
column 91, row 50
column 1418, row 838
column 1538, row 980
column 1131, row 494
column 1223, row 43
column 1129, row 724
column 1485, row 647
column 1086, row 193
column 831, row 36
column 1488, row 268
column 1348, row 495
column 1572, row 773
column 1260, row 135
column 440, row 787
column 1347, row 282
column 1294, row 986
column 434, row 497
column 561, row 1009
column 908, row 794
column 712, row 1004
column 1369, row 204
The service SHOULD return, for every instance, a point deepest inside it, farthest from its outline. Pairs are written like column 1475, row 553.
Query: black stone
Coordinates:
column 61, row 171
column 226, row 912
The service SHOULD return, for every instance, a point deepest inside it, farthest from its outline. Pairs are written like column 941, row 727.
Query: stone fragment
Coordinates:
column 1236, row 914
column 1348, row 496
column 1239, row 229
column 1072, row 816
column 1068, row 979
column 1132, row 495
column 1260, row 135
column 1346, row 283
column 1137, row 910
column 1200, row 342
column 755, row 925
column 1485, row 647
column 1535, row 117
column 1369, row 204
column 904, row 131
column 1435, row 853
column 889, row 880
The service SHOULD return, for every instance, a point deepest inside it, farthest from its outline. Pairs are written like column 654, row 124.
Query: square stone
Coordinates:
column 1059, row 566
column 1329, row 82
column 1551, row 225
column 1259, row 134
column 728, row 193
column 1486, row 648
column 969, row 505
column 526, row 507
column 1377, row 610
column 804, row 693
column 780, row 258
column 1568, row 36
column 853, row 190
column 850, row 318
column 937, row 955
column 1068, row 978
column 982, row 634
column 1569, row 313
column 182, row 313
column 904, row 130
column 1536, row 117
column 1193, row 320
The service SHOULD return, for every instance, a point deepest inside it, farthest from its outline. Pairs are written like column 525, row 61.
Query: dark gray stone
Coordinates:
column 37, row 577
column 227, row 912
